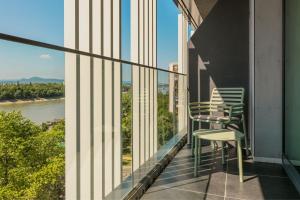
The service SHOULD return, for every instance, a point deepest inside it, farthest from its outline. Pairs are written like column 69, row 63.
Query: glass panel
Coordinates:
column 126, row 121
column 292, row 95
column 165, row 104
column 37, row 20
column 32, row 125
column 125, row 30
column 100, row 101
column 167, row 33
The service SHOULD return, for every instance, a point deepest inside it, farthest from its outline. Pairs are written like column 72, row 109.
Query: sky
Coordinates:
column 43, row 20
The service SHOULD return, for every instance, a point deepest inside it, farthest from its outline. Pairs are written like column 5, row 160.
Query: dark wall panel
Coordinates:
column 223, row 41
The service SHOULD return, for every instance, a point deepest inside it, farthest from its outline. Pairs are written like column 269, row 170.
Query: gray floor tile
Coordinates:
column 251, row 168
column 262, row 181
column 178, row 194
column 260, row 187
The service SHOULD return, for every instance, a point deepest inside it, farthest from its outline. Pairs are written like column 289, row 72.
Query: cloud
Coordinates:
column 45, row 56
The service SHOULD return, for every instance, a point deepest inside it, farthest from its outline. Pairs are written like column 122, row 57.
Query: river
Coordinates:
column 38, row 111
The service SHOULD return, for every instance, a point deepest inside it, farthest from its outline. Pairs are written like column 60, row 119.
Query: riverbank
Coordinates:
column 26, row 101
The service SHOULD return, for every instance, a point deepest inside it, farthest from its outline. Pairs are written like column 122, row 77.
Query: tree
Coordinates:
column 10, row 91
column 31, row 161
column 126, row 121
column 165, row 119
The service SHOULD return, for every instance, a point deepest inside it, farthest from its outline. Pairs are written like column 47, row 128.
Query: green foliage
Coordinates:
column 165, row 119
column 32, row 156
column 126, row 121
column 31, row 91
column 31, row 160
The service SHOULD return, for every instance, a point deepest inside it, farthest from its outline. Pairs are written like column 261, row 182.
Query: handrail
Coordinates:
column 69, row 50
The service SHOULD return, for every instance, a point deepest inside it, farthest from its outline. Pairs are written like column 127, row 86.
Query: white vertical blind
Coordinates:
column 93, row 94
column 143, row 50
column 134, row 12
column 142, row 40
column 146, row 74
column 71, row 158
column 85, row 102
column 90, row 128
column 182, row 68
column 117, row 92
column 97, row 103
column 151, row 81
column 108, row 96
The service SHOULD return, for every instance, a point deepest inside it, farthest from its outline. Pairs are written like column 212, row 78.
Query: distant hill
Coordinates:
column 33, row 80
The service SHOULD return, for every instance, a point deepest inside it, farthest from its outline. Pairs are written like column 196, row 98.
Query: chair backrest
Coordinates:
column 229, row 96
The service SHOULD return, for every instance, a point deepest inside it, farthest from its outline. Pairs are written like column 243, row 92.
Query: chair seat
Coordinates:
column 211, row 118
column 218, row 134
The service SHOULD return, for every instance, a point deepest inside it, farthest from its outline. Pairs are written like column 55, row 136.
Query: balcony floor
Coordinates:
column 215, row 181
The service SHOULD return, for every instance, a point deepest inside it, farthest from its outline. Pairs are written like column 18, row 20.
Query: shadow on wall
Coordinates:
column 219, row 51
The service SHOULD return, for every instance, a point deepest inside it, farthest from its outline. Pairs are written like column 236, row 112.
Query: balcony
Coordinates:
column 120, row 76
column 217, row 181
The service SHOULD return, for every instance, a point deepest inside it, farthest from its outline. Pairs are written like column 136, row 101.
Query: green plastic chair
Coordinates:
column 218, row 135
column 220, row 101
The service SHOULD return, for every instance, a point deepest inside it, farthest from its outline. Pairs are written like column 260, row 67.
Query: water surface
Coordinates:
column 38, row 111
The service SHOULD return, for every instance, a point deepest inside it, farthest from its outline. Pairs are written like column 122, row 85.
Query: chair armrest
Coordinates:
column 225, row 108
column 197, row 108
column 237, row 109
column 199, row 103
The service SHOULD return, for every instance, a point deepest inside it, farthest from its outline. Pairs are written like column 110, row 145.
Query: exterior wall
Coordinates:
column 219, row 57
column 268, row 80
column 292, row 81
column 219, row 50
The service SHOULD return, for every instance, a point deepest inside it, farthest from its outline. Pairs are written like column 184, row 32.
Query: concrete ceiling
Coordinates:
column 205, row 6
column 198, row 10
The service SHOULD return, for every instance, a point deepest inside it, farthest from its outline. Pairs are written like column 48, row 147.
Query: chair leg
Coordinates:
column 212, row 144
column 193, row 138
column 245, row 133
column 240, row 160
column 196, row 157
column 199, row 151
column 223, row 153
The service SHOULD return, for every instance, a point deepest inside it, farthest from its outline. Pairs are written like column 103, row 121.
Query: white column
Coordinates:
column 142, row 115
column 97, row 103
column 143, row 51
column 70, row 103
column 182, row 68
column 93, row 132
column 134, row 11
column 85, row 102
column 151, row 80
column 117, row 93
column 147, row 28
column 142, row 40
column 151, row 112
column 154, row 58
column 108, row 96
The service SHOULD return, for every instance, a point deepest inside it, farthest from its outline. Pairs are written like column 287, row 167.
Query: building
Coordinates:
column 173, row 88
